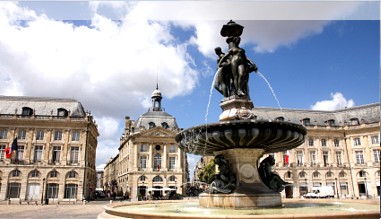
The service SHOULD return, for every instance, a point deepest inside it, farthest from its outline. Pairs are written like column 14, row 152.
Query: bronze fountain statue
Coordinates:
column 239, row 140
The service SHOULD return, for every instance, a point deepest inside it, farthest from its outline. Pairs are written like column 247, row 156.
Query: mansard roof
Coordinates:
column 156, row 118
column 364, row 114
column 42, row 106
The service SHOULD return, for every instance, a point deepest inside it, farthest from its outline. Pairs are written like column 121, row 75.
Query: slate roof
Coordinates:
column 158, row 118
column 43, row 106
column 364, row 114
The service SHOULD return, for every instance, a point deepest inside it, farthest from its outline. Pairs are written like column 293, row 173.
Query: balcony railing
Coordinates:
column 72, row 162
column 54, row 162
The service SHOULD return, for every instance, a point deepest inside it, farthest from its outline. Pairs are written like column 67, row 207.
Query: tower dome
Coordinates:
column 156, row 99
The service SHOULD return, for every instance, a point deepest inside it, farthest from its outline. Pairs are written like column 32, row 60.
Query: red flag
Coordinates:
column 8, row 152
column 286, row 157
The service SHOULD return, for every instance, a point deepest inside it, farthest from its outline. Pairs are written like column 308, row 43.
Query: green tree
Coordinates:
column 208, row 172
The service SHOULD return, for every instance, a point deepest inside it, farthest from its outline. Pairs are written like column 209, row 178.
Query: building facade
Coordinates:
column 56, row 147
column 342, row 150
column 149, row 162
column 100, row 176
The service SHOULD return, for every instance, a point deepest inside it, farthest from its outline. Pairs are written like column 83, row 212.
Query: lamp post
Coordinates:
column 42, row 192
column 337, row 188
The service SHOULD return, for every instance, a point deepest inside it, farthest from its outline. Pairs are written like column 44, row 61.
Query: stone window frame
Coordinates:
column 34, row 173
column 3, row 133
column 21, row 134
column 157, row 179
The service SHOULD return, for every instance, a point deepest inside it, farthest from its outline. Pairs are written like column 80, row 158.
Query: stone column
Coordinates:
column 178, row 163
column 164, row 161
column 135, row 156
column 149, row 158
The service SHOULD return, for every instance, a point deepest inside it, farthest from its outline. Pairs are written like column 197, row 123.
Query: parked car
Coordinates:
column 320, row 192
column 100, row 194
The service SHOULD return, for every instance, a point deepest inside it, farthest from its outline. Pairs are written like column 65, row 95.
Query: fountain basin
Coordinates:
column 242, row 143
column 271, row 136
column 291, row 209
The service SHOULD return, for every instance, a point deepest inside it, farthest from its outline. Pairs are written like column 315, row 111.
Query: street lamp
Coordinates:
column 337, row 189
column 42, row 192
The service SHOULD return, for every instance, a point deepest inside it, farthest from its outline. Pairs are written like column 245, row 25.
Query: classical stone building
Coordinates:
column 56, row 149
column 149, row 161
column 100, row 176
column 342, row 150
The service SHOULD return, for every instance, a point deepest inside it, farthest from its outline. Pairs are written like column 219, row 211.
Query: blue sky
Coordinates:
column 109, row 55
column 343, row 58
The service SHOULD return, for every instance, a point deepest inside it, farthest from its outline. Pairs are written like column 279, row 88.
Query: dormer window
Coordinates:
column 306, row 121
column 62, row 112
column 279, row 118
column 354, row 121
column 164, row 125
column 331, row 122
column 151, row 125
column 26, row 111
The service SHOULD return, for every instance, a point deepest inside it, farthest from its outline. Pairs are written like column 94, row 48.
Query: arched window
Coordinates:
column 157, row 179
column 342, row 174
column 302, row 175
column 157, row 161
column 53, row 174
column 362, row 173
column 34, row 173
column 71, row 174
column 172, row 178
column 16, row 173
column 316, row 174
column 288, row 175
column 142, row 178
column 329, row 174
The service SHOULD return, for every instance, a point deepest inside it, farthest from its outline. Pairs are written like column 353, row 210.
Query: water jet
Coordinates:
column 244, row 187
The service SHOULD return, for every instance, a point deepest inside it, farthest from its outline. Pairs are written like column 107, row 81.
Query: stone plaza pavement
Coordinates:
column 62, row 211
column 89, row 211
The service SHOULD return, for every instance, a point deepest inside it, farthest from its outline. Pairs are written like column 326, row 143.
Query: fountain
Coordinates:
column 238, row 142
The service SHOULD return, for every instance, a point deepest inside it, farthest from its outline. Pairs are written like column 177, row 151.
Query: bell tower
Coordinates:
column 156, row 99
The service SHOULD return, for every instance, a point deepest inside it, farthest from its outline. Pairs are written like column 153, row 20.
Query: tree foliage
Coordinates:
column 208, row 172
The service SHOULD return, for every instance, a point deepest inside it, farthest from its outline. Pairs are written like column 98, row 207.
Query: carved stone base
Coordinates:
column 236, row 108
column 250, row 190
column 237, row 200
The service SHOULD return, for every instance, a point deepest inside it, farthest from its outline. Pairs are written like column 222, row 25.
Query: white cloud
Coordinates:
column 109, row 127
column 102, row 64
column 338, row 101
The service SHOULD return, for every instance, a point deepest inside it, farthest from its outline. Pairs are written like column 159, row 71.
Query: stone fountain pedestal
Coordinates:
column 236, row 108
column 250, row 191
